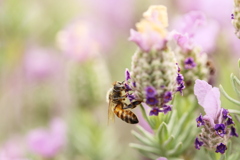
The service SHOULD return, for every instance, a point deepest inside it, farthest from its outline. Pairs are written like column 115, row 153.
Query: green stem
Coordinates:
column 228, row 97
column 144, row 113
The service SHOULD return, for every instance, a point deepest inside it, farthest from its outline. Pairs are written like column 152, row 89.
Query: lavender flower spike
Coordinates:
column 217, row 123
column 236, row 17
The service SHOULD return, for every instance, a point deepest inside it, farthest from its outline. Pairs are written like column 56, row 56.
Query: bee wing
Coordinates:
column 111, row 115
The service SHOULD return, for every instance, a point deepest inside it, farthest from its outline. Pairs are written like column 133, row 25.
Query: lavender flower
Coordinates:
column 154, row 111
column 220, row 129
column 221, row 148
column 166, row 109
column 150, row 91
column 167, row 97
column 154, row 64
column 198, row 144
column 127, row 75
column 200, row 121
column 217, row 123
column 189, row 63
column 180, row 78
column 233, row 132
column 236, row 17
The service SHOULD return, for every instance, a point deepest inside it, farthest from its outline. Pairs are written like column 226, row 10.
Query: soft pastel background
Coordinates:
column 59, row 58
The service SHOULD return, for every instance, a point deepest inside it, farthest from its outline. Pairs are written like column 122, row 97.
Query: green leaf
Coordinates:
column 179, row 125
column 168, row 142
column 145, row 148
column 172, row 121
column 146, row 134
column 162, row 133
column 142, row 138
column 176, row 149
column 228, row 97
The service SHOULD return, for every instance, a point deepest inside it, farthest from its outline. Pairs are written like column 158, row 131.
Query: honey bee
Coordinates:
column 117, row 105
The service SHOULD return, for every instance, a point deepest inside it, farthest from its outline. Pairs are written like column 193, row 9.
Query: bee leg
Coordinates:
column 132, row 105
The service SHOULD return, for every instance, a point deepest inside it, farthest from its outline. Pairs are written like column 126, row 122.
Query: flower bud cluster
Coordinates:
column 155, row 76
column 215, row 137
column 236, row 17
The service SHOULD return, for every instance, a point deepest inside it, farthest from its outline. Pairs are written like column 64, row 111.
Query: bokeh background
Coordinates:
column 59, row 58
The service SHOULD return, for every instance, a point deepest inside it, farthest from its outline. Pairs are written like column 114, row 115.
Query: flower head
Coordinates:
column 217, row 123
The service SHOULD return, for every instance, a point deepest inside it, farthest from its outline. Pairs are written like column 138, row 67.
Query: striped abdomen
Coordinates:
column 126, row 115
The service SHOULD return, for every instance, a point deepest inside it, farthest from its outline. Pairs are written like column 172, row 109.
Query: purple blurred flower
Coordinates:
column 225, row 114
column 48, row 143
column 221, row 148
column 229, row 121
column 39, row 63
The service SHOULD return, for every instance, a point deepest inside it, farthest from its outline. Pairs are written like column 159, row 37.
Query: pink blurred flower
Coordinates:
column 209, row 99
column 162, row 158
column 147, row 41
column 39, row 63
column 49, row 142
column 197, row 27
column 13, row 149
column 219, row 10
column 78, row 41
